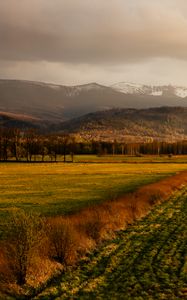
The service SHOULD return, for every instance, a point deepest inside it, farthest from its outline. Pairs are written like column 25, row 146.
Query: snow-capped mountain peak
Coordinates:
column 181, row 92
column 129, row 88
column 152, row 90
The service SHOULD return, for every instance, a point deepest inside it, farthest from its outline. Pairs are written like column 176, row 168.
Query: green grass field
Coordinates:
column 54, row 189
column 57, row 188
column 146, row 261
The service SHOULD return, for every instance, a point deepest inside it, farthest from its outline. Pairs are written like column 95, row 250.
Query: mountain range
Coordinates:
column 94, row 111
column 56, row 103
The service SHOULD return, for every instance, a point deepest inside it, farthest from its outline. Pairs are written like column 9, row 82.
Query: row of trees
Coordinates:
column 29, row 146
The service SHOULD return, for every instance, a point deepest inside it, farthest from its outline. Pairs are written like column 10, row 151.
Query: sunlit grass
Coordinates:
column 59, row 188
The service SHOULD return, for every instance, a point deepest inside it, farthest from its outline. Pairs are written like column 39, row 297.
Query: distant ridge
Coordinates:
column 57, row 103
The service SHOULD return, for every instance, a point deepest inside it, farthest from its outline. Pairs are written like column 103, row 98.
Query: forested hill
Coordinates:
column 131, row 125
column 168, row 123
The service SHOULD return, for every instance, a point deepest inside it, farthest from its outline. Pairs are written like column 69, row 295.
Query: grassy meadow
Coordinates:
column 58, row 188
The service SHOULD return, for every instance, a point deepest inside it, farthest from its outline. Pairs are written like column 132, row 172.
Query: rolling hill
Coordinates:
column 164, row 123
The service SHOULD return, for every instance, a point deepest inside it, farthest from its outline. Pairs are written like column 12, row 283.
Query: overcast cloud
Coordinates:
column 77, row 41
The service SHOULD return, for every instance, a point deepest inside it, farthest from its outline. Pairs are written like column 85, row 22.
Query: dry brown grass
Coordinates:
column 4, row 270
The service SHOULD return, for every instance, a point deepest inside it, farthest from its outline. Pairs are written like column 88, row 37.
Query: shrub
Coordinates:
column 62, row 239
column 25, row 233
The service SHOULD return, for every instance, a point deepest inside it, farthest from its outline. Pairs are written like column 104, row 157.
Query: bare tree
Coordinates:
column 15, row 143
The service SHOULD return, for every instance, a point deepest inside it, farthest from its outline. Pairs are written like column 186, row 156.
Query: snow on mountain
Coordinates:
column 70, row 91
column 181, row 92
column 140, row 89
column 89, row 86
column 123, row 87
column 73, row 91
column 156, row 93
column 129, row 88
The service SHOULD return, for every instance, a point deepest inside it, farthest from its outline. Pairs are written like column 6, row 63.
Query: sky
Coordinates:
column 105, row 41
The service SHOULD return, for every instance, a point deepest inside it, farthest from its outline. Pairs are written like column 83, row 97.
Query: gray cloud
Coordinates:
column 92, row 32
column 77, row 41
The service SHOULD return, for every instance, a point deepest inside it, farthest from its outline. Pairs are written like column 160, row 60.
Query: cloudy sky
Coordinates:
column 104, row 41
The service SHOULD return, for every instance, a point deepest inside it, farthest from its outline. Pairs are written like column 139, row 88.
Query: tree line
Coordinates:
column 30, row 146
